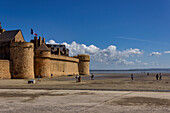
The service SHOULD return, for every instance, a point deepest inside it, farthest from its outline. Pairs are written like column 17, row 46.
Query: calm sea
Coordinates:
column 130, row 71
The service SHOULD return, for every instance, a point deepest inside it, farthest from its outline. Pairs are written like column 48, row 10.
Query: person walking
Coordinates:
column 132, row 76
column 160, row 76
column 157, row 76
column 77, row 78
column 51, row 75
column 92, row 76
column 38, row 77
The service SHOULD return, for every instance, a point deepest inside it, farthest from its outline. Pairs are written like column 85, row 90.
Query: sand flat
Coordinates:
column 108, row 93
column 82, row 101
column 114, row 81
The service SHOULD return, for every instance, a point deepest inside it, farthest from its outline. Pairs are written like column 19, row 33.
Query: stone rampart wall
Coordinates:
column 5, row 69
column 63, row 65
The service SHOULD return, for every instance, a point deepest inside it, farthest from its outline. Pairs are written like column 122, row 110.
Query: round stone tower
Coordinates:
column 42, row 61
column 22, row 60
column 84, row 64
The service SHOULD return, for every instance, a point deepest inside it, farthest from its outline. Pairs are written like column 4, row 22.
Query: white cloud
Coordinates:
column 166, row 52
column 155, row 54
column 140, row 62
column 109, row 55
column 51, row 42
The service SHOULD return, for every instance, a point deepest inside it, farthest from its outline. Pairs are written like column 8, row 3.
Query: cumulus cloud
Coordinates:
column 166, row 52
column 155, row 54
column 109, row 55
column 51, row 42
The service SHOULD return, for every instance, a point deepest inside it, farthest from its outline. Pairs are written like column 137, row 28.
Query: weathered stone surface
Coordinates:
column 84, row 64
column 22, row 60
column 5, row 69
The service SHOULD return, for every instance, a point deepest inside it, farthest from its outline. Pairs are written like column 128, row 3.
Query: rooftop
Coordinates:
column 8, row 35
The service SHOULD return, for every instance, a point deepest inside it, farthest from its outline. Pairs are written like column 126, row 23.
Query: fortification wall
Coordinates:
column 4, row 50
column 42, row 64
column 84, row 64
column 63, row 65
column 5, row 69
column 22, row 60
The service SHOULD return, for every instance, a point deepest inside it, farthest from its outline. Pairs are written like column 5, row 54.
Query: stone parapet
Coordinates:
column 83, row 57
column 64, row 58
column 22, row 44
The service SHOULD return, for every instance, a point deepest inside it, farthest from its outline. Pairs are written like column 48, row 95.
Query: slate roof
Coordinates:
column 43, row 47
column 8, row 35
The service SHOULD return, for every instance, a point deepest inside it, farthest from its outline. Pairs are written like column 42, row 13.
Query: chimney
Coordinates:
column 43, row 41
column 1, row 30
column 58, row 50
column 35, row 42
column 39, row 41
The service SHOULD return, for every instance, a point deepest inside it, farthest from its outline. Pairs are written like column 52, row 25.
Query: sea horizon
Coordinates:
column 144, row 70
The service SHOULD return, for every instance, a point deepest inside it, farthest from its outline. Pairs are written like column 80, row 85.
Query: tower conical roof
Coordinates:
column 43, row 47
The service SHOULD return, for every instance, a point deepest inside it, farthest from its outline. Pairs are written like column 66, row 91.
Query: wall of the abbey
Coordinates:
column 4, row 50
column 42, row 64
column 59, row 68
column 47, row 64
column 63, row 65
column 5, row 69
column 22, row 60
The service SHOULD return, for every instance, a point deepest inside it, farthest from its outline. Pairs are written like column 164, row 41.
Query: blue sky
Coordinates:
column 142, row 25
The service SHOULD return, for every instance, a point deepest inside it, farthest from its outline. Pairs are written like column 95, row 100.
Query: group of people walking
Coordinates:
column 159, row 76
column 78, row 78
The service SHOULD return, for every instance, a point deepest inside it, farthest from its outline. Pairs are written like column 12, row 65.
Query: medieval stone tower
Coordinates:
column 42, row 61
column 22, row 60
column 83, row 64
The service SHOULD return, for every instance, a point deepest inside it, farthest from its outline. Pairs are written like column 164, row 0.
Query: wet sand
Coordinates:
column 82, row 101
column 141, row 82
column 108, row 93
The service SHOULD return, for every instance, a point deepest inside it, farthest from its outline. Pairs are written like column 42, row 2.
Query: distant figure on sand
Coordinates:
column 148, row 74
column 38, row 77
column 77, row 78
column 92, row 76
column 132, row 76
column 160, row 76
column 157, row 76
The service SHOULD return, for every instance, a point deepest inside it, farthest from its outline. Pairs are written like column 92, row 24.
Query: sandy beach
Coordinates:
column 115, row 81
column 110, row 93
column 82, row 101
